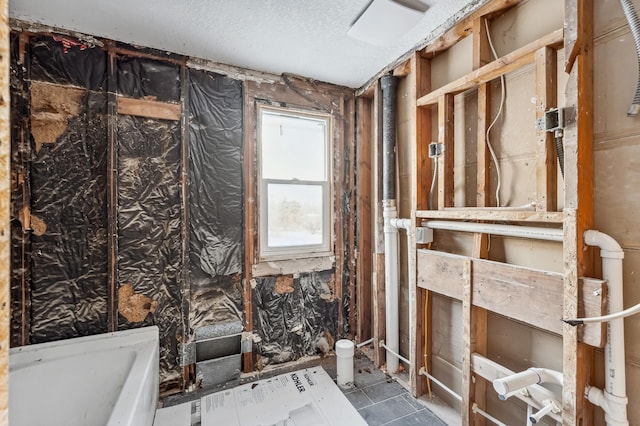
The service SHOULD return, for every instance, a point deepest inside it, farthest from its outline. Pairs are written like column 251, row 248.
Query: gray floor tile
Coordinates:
column 366, row 374
column 358, row 399
column 413, row 402
column 386, row 411
column 421, row 418
column 384, row 390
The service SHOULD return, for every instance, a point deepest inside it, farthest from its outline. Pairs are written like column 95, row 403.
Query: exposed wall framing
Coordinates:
column 480, row 285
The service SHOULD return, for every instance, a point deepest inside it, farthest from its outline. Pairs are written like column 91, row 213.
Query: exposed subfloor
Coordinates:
column 379, row 398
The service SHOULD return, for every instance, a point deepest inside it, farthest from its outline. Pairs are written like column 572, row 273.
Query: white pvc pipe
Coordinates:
column 508, row 386
column 394, row 353
column 365, row 343
column 549, row 234
column 344, row 363
column 486, row 415
column 442, row 385
column 614, row 399
column 392, row 331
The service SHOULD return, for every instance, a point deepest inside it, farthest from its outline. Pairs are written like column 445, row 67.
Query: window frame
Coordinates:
column 325, row 249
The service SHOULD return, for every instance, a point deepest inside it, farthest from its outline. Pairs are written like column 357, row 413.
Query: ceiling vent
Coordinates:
column 383, row 22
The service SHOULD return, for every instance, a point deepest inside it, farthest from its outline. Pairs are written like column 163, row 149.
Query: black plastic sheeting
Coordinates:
column 144, row 78
column 295, row 324
column 69, row 289
column 64, row 60
column 216, row 246
column 149, row 227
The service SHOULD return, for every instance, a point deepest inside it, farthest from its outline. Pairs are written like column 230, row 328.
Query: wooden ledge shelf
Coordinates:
column 492, row 214
column 510, row 62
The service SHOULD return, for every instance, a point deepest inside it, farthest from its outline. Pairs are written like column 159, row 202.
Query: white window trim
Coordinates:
column 298, row 252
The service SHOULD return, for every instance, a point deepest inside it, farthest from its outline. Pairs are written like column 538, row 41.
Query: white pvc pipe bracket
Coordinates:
column 344, row 362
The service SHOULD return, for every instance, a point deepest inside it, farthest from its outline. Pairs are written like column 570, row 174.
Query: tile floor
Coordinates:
column 379, row 399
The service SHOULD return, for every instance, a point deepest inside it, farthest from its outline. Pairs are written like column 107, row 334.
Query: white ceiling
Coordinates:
column 304, row 37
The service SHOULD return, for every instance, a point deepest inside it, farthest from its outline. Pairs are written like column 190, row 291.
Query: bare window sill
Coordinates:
column 293, row 266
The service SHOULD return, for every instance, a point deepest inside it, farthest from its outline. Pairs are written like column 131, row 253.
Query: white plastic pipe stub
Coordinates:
column 344, row 362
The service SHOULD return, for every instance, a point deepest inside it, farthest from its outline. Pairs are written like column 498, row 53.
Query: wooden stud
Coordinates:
column 340, row 216
column 546, row 161
column 467, row 332
column 421, row 175
column 249, row 155
column 578, row 259
column 349, row 144
column 149, row 109
column 364, row 256
column 504, row 65
column 445, row 161
column 379, row 310
column 5, row 199
column 112, row 188
column 185, row 285
column 465, row 27
column 483, row 179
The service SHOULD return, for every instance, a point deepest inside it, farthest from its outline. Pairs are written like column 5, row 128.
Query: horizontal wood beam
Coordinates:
column 529, row 295
column 465, row 27
column 492, row 214
column 149, row 109
column 507, row 63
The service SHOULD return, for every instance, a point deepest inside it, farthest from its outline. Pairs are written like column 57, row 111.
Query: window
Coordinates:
column 294, row 188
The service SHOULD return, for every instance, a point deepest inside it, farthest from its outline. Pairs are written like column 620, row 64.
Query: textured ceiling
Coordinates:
column 304, row 37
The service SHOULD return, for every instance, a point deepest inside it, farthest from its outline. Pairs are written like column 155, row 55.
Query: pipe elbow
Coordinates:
column 609, row 247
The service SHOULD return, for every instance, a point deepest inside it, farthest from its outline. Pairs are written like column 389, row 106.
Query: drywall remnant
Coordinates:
column 51, row 107
column 134, row 306
column 284, row 284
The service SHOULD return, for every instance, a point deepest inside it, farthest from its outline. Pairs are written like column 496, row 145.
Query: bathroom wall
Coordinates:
column 616, row 146
column 122, row 220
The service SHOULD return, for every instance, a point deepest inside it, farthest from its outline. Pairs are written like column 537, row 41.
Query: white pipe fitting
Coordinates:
column 344, row 363
column 614, row 407
column 549, row 234
column 392, row 327
column 508, row 386
column 549, row 407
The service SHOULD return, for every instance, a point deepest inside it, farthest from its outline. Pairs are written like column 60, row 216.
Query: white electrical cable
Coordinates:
column 605, row 318
column 495, row 120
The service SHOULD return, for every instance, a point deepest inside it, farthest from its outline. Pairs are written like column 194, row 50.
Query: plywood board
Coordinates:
column 150, row 109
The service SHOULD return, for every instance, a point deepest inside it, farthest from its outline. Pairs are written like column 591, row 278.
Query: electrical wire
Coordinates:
column 605, row 318
column 495, row 120
column 433, row 182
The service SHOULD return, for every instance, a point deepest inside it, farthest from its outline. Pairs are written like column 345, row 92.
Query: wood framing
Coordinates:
column 363, row 207
column 446, row 159
column 578, row 209
column 149, row 109
column 546, row 98
column 5, row 199
column 509, row 290
column 509, row 62
column 421, row 175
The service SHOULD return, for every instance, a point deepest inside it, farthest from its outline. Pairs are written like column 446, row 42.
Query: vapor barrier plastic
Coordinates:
column 69, row 221
column 139, row 78
column 216, row 213
column 65, row 60
column 294, row 317
column 149, row 236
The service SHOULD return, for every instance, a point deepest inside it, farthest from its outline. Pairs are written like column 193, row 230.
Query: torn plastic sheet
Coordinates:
column 295, row 319
column 216, row 246
column 54, row 61
column 149, row 233
column 146, row 78
column 69, row 245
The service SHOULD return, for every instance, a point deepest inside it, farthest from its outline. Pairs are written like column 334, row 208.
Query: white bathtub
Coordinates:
column 108, row 379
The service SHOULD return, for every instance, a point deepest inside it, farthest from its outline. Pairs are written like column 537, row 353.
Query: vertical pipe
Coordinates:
column 389, row 86
column 614, row 400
